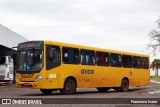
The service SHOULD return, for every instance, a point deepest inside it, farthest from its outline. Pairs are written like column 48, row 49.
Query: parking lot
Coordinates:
column 150, row 91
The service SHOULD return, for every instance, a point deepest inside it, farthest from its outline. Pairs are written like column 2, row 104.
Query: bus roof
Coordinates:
column 93, row 48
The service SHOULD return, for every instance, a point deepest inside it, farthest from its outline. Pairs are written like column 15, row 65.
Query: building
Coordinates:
column 9, row 39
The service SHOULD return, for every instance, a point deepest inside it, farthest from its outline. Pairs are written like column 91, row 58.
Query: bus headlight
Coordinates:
column 39, row 77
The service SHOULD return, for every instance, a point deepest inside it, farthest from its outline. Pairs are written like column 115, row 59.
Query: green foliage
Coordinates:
column 155, row 78
column 155, row 63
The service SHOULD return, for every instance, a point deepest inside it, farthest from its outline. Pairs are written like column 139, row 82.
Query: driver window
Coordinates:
column 53, row 57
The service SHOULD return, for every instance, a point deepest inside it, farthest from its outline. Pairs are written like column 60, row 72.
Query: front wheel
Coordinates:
column 69, row 87
column 46, row 91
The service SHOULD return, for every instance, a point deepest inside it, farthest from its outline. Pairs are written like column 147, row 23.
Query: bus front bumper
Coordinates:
column 38, row 84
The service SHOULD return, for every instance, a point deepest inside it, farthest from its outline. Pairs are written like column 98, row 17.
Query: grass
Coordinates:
column 155, row 78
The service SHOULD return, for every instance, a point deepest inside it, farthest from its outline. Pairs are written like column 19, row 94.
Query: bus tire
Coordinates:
column 102, row 89
column 69, row 87
column 124, row 85
column 46, row 91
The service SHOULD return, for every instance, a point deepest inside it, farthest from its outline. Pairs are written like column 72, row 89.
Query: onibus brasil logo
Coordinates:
column 21, row 101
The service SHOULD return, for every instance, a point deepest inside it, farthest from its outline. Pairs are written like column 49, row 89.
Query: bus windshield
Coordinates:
column 29, row 59
column 2, row 60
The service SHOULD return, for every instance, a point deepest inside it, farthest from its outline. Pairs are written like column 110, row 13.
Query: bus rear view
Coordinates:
column 6, row 69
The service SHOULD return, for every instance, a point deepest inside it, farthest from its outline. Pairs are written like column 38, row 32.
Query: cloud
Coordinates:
column 122, row 24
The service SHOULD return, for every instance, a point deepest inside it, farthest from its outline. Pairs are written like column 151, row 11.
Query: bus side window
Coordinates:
column 91, row 58
column 137, row 62
column 102, row 59
column 83, row 57
column 53, row 57
column 115, row 60
column 70, row 55
column 145, row 63
column 127, row 61
column 87, row 57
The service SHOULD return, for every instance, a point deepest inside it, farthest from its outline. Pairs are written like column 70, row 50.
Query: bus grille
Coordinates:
column 11, row 70
column 26, row 75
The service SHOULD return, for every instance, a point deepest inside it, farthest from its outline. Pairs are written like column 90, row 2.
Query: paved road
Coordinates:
column 150, row 91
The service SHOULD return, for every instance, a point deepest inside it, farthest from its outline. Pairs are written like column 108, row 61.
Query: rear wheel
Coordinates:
column 124, row 86
column 102, row 89
column 46, row 91
column 69, row 87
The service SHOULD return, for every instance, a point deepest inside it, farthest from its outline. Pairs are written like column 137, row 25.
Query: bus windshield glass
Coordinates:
column 2, row 60
column 29, row 59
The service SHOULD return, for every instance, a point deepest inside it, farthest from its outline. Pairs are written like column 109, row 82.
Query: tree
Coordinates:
column 155, row 65
column 154, row 45
column 154, row 35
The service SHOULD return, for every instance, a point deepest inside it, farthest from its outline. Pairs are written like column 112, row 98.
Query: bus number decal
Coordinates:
column 86, row 71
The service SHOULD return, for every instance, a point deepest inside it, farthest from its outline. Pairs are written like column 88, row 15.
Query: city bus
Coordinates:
column 51, row 66
column 6, row 69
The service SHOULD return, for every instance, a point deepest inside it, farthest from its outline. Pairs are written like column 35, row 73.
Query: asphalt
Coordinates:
column 150, row 91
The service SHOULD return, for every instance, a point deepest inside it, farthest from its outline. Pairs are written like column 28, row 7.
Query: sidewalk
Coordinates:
column 154, row 81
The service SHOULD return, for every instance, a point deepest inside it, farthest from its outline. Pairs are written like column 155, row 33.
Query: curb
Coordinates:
column 154, row 82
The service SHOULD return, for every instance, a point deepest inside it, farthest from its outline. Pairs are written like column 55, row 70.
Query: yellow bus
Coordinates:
column 50, row 66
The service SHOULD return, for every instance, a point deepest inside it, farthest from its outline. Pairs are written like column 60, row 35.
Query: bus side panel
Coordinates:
column 110, row 77
column 139, row 77
column 85, row 75
column 53, row 77
column 90, row 76
column 135, row 77
column 100, row 76
column 62, row 73
column 145, row 77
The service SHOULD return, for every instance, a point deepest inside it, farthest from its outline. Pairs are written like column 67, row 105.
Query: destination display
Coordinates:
column 30, row 45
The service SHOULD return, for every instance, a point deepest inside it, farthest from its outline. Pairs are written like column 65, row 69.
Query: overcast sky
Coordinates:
column 114, row 24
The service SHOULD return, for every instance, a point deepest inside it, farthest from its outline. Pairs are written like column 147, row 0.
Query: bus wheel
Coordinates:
column 46, row 91
column 102, row 89
column 69, row 87
column 124, row 85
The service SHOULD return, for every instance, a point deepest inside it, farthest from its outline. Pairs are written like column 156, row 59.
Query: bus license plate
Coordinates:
column 26, row 85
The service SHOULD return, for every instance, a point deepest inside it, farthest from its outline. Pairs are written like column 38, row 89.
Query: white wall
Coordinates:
column 152, row 72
